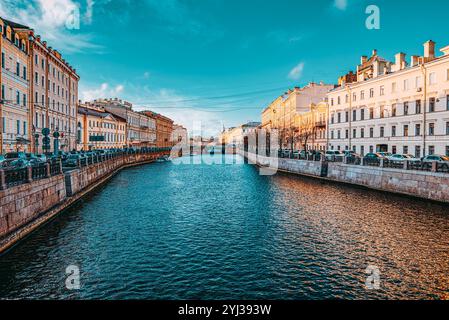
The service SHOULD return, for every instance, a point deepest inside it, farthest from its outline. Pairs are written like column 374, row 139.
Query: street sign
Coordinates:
column 96, row 138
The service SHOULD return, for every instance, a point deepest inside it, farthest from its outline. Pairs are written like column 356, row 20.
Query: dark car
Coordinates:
column 72, row 160
column 373, row 156
column 15, row 155
column 16, row 164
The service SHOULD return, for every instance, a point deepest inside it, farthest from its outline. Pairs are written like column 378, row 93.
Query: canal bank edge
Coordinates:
column 419, row 184
column 53, row 195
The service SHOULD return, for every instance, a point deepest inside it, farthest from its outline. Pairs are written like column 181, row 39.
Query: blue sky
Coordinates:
column 221, row 61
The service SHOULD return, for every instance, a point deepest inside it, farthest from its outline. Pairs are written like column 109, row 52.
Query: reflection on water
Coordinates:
column 167, row 231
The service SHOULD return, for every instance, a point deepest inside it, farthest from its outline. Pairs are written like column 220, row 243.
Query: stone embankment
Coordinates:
column 31, row 203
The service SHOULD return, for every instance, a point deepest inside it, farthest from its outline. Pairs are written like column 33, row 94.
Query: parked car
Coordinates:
column 385, row 154
column 72, row 160
column 374, row 156
column 15, row 164
column 331, row 154
column 402, row 157
column 42, row 157
column 437, row 158
column 15, row 155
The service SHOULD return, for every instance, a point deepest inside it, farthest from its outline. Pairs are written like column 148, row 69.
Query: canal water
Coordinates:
column 171, row 231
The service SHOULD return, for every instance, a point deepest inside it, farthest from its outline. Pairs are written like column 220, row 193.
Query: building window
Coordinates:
column 447, row 102
column 431, row 150
column 418, row 106
column 417, row 129
column 338, row 134
column 405, row 108
column 371, row 132
column 362, row 133
column 347, row 116
column 371, row 113
column 393, row 87
column 432, row 78
column 18, row 98
column 393, row 131
column 406, row 130
column 406, row 85
column 382, row 90
column 371, row 149
column 18, row 126
column 354, row 115
column 362, row 114
column 362, row 95
column 346, row 134
column 3, row 59
column 432, row 105
column 447, row 128
column 382, row 132
column 447, row 151
column 417, row 151
column 393, row 110
column 18, row 69
column 25, row 73
column 393, row 149
column 354, row 133
column 371, row 93
column 405, row 149
column 382, row 111
column 431, row 129
column 339, row 117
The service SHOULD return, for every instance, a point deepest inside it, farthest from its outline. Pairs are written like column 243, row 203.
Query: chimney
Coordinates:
column 414, row 61
column 429, row 49
column 363, row 59
column 400, row 61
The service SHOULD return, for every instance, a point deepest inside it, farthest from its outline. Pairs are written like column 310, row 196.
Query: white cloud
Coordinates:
column 341, row 4
column 103, row 91
column 146, row 75
column 296, row 72
column 50, row 19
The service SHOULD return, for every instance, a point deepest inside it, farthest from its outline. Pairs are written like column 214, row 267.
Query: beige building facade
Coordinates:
column 140, row 129
column 14, row 81
column 98, row 129
column 398, row 107
column 282, row 113
column 311, row 128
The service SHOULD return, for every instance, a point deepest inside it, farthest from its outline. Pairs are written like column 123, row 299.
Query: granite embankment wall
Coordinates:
column 25, row 207
column 422, row 184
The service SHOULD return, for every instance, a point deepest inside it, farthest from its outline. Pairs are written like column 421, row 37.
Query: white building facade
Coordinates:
column 395, row 107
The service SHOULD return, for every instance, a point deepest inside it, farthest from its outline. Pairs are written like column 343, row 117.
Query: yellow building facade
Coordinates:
column 98, row 129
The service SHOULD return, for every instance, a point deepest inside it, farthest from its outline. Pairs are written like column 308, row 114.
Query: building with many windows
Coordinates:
column 282, row 112
column 98, row 129
column 39, row 90
column 310, row 133
column 164, row 128
column 140, row 128
column 398, row 107
column 14, row 82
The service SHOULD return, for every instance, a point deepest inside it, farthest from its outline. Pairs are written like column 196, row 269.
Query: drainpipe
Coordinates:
column 424, row 72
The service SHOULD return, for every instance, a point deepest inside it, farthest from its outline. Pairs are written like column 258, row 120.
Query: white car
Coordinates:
column 402, row 157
